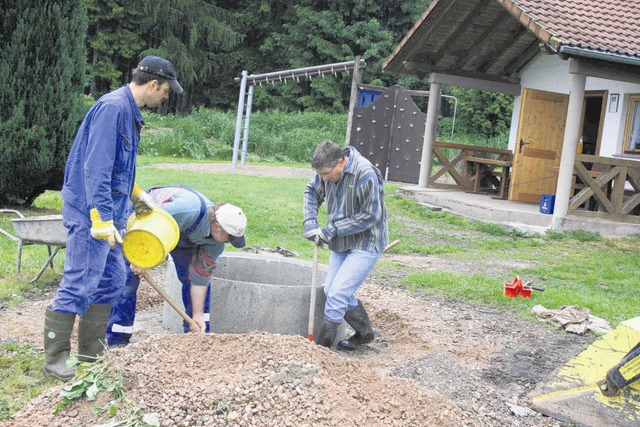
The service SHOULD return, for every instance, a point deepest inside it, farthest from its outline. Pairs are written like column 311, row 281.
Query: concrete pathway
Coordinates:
column 519, row 215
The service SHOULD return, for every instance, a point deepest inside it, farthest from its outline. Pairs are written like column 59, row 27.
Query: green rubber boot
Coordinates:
column 57, row 344
column 92, row 330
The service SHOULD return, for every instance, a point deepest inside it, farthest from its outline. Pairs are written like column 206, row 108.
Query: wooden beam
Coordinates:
column 506, row 51
column 631, row 203
column 521, row 60
column 413, row 40
column 496, row 23
column 461, row 28
column 592, row 189
column 480, row 82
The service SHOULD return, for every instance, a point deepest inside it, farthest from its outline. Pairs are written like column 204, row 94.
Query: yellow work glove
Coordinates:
column 142, row 202
column 104, row 229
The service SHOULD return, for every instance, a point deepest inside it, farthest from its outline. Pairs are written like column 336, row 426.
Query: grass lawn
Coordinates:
column 578, row 268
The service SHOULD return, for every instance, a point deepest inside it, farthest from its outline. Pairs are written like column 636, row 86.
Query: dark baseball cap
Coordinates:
column 162, row 68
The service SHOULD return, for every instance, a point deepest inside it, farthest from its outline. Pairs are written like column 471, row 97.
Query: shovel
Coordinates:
column 194, row 326
column 314, row 280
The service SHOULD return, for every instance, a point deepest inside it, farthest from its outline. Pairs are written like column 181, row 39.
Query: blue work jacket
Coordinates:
column 100, row 169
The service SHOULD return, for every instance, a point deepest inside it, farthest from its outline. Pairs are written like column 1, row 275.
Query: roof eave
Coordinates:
column 574, row 51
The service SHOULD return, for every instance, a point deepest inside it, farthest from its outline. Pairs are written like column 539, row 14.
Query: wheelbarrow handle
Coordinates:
column 6, row 233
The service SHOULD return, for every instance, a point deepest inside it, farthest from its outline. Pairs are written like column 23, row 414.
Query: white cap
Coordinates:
column 234, row 222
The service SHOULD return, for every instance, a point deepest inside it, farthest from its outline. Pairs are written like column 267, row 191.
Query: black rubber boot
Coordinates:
column 328, row 334
column 92, row 330
column 357, row 318
column 57, row 344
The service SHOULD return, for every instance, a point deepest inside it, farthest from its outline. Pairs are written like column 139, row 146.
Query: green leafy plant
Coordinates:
column 93, row 378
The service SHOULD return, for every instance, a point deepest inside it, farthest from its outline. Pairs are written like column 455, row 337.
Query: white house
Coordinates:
column 573, row 67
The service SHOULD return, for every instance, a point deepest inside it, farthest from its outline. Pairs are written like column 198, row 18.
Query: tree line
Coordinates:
column 210, row 42
column 55, row 51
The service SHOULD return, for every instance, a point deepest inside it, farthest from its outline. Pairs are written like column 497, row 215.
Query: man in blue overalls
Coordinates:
column 204, row 229
column 98, row 184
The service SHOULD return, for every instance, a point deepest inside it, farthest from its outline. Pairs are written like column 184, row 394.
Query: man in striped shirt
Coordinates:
column 356, row 233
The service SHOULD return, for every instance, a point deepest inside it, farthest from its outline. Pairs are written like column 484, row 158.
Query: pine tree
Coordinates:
column 43, row 72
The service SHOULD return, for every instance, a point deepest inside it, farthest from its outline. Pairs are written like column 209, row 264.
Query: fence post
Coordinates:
column 353, row 99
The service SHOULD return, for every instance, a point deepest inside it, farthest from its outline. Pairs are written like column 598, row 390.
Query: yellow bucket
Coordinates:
column 150, row 238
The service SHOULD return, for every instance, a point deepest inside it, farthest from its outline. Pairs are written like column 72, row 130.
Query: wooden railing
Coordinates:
column 606, row 188
column 467, row 167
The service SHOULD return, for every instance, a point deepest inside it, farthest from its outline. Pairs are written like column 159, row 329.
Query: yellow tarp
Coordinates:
column 573, row 395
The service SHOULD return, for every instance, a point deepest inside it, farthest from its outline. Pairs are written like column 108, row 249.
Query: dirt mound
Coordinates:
column 254, row 379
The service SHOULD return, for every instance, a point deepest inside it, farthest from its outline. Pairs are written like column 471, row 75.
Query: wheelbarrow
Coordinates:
column 37, row 230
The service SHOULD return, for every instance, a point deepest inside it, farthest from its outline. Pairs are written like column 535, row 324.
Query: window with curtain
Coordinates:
column 632, row 127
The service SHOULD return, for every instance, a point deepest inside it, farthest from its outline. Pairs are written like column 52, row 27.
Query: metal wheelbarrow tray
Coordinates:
column 37, row 230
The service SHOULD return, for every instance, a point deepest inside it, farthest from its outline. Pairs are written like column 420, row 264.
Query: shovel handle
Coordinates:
column 391, row 245
column 535, row 288
column 194, row 326
column 312, row 300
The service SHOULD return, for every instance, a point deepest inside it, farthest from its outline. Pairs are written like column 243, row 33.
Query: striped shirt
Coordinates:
column 355, row 205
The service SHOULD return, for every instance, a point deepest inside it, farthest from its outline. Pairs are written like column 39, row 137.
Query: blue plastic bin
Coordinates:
column 547, row 201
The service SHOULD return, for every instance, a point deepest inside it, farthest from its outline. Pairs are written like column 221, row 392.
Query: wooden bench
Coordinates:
column 492, row 164
column 457, row 160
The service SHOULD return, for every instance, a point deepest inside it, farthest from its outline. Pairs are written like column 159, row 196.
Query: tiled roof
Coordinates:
column 608, row 26
column 496, row 38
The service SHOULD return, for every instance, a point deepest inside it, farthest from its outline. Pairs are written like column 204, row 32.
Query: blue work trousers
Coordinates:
column 93, row 271
column 346, row 272
column 123, row 312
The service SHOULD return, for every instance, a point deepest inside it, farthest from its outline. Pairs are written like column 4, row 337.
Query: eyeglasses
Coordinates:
column 326, row 174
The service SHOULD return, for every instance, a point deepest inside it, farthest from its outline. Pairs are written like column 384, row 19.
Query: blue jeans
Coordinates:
column 347, row 271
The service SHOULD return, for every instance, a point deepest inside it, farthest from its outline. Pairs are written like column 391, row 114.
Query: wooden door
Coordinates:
column 538, row 145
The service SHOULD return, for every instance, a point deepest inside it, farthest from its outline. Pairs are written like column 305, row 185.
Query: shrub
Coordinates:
column 273, row 135
column 41, row 104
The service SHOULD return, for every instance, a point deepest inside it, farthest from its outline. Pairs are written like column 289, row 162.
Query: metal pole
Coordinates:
column 306, row 72
column 245, row 135
column 455, row 109
column 236, row 139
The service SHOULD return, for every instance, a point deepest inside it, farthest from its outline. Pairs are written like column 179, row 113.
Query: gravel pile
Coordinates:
column 253, row 380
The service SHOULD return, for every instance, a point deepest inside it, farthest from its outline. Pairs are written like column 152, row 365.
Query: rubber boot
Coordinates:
column 357, row 318
column 328, row 334
column 57, row 344
column 92, row 330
